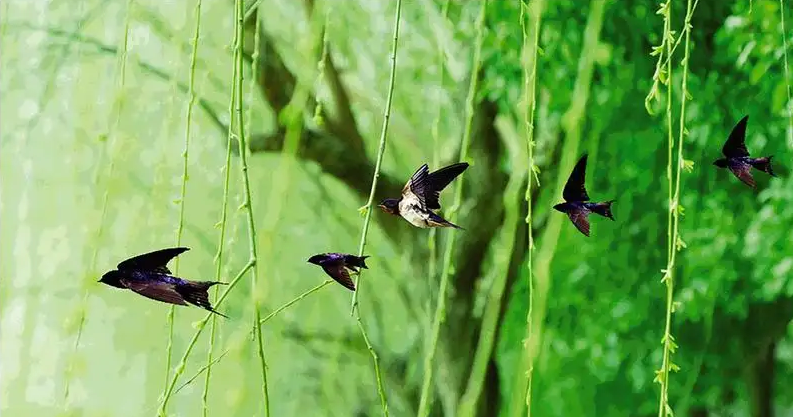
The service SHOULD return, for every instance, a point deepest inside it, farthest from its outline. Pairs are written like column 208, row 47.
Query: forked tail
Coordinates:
column 195, row 292
column 359, row 261
column 764, row 164
column 438, row 221
column 603, row 209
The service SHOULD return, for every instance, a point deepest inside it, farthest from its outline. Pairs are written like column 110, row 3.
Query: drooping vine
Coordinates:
column 183, row 190
column 234, row 104
column 529, row 106
column 789, row 105
column 664, row 75
column 247, row 203
column 432, row 245
column 368, row 207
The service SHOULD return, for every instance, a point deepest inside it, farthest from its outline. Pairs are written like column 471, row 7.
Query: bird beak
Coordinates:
column 381, row 206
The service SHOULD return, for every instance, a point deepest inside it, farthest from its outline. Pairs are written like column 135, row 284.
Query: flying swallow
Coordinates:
column 334, row 265
column 737, row 157
column 420, row 196
column 577, row 204
column 149, row 276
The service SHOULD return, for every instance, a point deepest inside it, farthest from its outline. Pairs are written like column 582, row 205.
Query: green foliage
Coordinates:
column 95, row 169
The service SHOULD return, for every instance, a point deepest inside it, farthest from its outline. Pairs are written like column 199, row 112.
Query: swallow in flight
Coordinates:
column 334, row 265
column 420, row 196
column 149, row 276
column 737, row 158
column 577, row 204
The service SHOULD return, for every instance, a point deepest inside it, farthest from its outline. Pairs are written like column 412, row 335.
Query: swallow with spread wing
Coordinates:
column 149, row 276
column 421, row 194
column 737, row 157
column 577, row 205
column 336, row 265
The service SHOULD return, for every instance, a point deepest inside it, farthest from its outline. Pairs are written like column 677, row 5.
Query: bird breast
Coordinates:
column 410, row 210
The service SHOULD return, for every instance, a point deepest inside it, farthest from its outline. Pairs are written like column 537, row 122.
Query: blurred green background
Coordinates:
column 92, row 164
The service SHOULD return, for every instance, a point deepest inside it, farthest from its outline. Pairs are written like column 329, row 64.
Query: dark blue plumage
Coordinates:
column 421, row 194
column 336, row 265
column 577, row 205
column 737, row 157
column 149, row 276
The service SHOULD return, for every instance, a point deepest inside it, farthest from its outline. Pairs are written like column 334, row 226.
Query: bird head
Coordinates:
column 721, row 163
column 390, row 206
column 112, row 278
column 316, row 259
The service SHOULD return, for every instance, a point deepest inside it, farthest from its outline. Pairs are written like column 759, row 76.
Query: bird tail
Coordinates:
column 195, row 292
column 359, row 261
column 438, row 221
column 764, row 164
column 603, row 209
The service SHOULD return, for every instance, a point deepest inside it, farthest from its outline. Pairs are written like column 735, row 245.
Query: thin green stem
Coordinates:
column 529, row 85
column 206, row 368
column 295, row 300
column 247, row 200
column 432, row 269
column 376, row 362
column 572, row 125
column 222, row 236
column 502, row 251
column 179, row 370
column 664, row 74
column 111, row 142
column 440, row 309
column 323, row 60
column 789, row 104
column 221, row 224
column 674, row 241
column 380, row 151
column 368, row 207
column 183, row 191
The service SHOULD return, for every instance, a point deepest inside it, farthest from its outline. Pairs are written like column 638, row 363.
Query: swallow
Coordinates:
column 149, row 276
column 577, row 204
column 737, row 157
column 420, row 196
column 334, row 265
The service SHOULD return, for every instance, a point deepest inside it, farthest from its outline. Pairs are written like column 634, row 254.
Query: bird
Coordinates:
column 334, row 265
column 420, row 196
column 737, row 158
column 149, row 276
column 577, row 205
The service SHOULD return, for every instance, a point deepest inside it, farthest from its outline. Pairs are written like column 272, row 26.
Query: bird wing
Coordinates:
column 156, row 290
column 744, row 173
column 735, row 146
column 574, row 189
column 156, row 261
column 580, row 220
column 427, row 186
column 337, row 272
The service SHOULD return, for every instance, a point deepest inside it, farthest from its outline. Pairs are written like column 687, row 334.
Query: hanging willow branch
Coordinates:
column 235, row 103
column 183, row 190
column 530, row 105
column 247, row 203
column 789, row 105
column 674, row 241
column 368, row 208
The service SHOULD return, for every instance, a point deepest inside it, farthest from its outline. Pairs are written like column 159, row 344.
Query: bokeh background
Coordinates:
column 94, row 111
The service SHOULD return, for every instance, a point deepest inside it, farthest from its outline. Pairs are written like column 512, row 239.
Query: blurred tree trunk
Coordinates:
column 760, row 381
